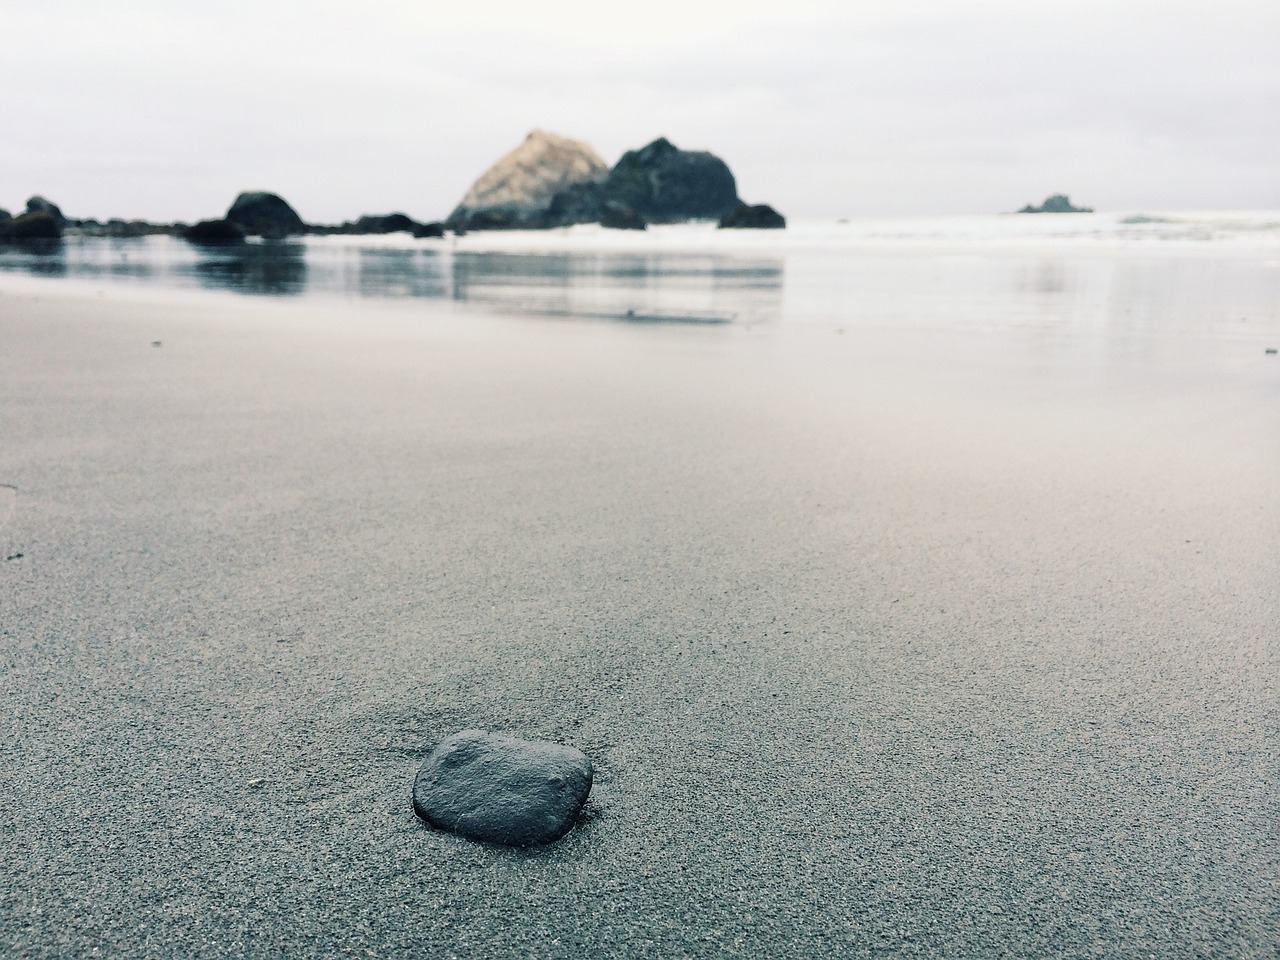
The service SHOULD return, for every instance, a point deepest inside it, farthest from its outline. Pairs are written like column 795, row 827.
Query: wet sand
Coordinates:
column 883, row 643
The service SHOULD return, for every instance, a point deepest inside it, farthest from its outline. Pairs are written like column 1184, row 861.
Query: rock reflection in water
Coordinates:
column 381, row 272
column 626, row 286
column 40, row 257
column 273, row 269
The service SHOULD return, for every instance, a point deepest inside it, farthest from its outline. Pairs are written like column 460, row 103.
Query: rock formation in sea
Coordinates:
column 39, row 204
column 38, row 225
column 1058, row 203
column 380, row 224
column 517, row 190
column 664, row 184
column 551, row 181
column 5, row 215
column 265, row 215
column 215, row 233
column 758, row 217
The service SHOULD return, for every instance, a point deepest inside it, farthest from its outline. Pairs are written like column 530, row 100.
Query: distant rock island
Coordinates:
column 1058, row 203
column 552, row 181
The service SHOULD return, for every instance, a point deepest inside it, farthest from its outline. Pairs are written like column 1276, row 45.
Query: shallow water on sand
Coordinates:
column 1107, row 276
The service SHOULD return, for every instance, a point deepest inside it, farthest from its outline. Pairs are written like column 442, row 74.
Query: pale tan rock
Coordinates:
column 525, row 180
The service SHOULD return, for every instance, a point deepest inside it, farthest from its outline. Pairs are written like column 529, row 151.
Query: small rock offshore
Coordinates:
column 502, row 790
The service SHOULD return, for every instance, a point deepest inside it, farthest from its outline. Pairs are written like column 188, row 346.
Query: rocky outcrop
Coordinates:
column 39, row 204
column 759, row 217
column 1058, row 203
column 265, row 215
column 517, row 191
column 5, row 215
column 433, row 229
column 218, row 233
column 617, row 216
column 40, row 225
column 664, row 184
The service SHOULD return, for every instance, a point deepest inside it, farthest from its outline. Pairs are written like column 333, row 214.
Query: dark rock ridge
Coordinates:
column 760, row 217
column 265, row 215
column 1058, row 203
column 617, row 216
column 215, row 233
column 40, row 225
column 5, row 215
column 517, row 793
column 664, row 184
column 39, row 204
column 374, row 224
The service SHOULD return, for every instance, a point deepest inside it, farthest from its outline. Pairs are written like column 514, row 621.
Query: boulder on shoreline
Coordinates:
column 265, row 215
column 38, row 204
column 665, row 184
column 39, row 225
column 218, row 233
column 618, row 216
column 1058, row 203
column 385, row 223
column 758, row 217
column 432, row 229
column 518, row 190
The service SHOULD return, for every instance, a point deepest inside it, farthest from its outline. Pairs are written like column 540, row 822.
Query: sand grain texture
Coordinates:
column 880, row 644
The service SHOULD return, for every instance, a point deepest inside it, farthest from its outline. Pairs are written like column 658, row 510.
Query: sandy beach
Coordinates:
column 883, row 642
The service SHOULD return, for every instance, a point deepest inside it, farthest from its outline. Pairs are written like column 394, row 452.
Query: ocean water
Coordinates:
column 1213, row 275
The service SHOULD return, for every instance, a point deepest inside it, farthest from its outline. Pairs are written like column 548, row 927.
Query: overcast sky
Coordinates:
column 166, row 110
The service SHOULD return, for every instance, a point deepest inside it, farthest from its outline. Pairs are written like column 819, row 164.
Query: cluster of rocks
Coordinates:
column 268, row 215
column 552, row 181
column 547, row 181
column 42, row 220
column 1058, row 203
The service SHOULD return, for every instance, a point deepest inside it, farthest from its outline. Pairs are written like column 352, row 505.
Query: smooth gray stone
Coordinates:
column 518, row 793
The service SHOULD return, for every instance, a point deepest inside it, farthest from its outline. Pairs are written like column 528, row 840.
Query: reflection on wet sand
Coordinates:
column 632, row 287
column 271, row 269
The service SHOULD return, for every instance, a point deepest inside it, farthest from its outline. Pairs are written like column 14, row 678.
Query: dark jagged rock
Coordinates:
column 266, row 215
column 617, row 216
column 380, row 224
column 577, row 203
column 518, row 793
column 218, row 233
column 5, row 215
column 388, row 223
column 1058, row 203
column 433, row 229
column 664, row 184
column 40, row 225
column 758, row 217
column 39, row 204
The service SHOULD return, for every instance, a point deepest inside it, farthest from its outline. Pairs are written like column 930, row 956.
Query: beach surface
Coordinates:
column 884, row 642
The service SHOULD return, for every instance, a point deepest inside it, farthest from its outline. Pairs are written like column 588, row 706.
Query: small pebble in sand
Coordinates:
column 518, row 793
column 1271, row 349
